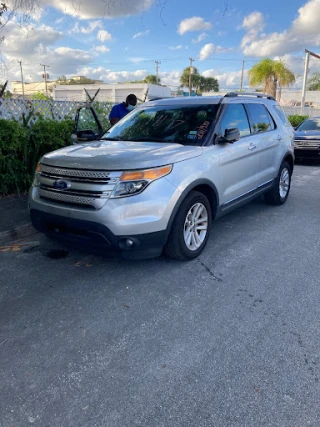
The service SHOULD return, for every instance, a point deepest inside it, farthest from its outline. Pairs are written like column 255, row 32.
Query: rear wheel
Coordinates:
column 279, row 194
column 190, row 229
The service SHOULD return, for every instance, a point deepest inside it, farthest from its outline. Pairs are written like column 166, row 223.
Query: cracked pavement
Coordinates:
column 229, row 339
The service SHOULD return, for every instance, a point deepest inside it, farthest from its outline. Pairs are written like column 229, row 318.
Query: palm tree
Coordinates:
column 272, row 74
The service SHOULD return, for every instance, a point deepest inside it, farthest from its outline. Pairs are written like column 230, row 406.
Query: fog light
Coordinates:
column 129, row 243
column 126, row 243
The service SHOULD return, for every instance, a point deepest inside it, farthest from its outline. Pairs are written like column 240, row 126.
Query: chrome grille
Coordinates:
column 67, row 198
column 75, row 173
column 306, row 144
column 86, row 188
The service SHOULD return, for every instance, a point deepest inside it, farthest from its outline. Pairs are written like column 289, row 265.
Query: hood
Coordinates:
column 120, row 155
column 307, row 134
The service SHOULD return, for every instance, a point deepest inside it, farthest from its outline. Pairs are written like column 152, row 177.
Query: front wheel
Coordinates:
column 190, row 229
column 279, row 194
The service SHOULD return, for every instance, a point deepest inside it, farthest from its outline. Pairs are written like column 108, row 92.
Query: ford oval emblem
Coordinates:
column 61, row 185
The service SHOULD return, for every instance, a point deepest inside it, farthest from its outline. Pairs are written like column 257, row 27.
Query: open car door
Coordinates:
column 87, row 126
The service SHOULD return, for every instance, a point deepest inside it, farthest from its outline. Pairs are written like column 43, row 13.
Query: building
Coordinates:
column 31, row 89
column 110, row 92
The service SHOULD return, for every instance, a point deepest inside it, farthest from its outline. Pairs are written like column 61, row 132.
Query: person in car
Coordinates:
column 120, row 110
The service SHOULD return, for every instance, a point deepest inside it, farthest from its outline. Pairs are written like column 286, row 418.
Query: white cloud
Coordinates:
column 87, row 30
column 304, row 31
column 200, row 38
column 109, row 76
column 136, row 59
column 33, row 45
column 253, row 24
column 193, row 24
column 104, row 35
column 100, row 9
column 102, row 49
column 230, row 80
column 179, row 47
column 21, row 41
column 170, row 78
column 141, row 34
column 209, row 49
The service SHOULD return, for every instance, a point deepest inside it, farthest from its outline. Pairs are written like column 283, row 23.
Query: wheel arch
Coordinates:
column 203, row 186
column 290, row 160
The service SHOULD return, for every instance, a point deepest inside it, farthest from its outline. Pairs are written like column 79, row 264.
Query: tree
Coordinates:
column 41, row 97
column 80, row 81
column 6, row 94
column 198, row 82
column 208, row 84
column 272, row 74
column 62, row 80
column 314, row 81
column 151, row 79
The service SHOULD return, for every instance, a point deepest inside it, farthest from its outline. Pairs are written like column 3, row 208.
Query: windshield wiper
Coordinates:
column 111, row 139
column 151, row 139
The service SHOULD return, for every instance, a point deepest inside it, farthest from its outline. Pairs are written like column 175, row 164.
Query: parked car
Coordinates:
column 307, row 139
column 156, row 180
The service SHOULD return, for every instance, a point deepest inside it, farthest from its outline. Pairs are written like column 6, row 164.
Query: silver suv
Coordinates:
column 157, row 179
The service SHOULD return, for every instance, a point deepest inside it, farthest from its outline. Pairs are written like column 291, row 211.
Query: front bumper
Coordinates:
column 307, row 153
column 143, row 219
column 87, row 234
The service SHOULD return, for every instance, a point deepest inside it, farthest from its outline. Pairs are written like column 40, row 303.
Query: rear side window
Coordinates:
column 282, row 115
column 261, row 121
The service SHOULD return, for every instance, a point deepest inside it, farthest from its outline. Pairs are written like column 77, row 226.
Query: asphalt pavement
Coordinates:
column 229, row 339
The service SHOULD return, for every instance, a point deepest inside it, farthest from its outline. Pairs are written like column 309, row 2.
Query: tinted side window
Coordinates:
column 261, row 121
column 282, row 115
column 234, row 117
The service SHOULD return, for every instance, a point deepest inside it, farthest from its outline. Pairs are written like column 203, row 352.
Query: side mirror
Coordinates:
column 86, row 135
column 87, row 125
column 230, row 135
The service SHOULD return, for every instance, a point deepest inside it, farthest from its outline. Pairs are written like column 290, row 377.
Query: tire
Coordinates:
column 185, row 242
column 280, row 192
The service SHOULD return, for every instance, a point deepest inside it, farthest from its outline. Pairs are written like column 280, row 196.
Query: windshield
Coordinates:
column 170, row 124
column 311, row 124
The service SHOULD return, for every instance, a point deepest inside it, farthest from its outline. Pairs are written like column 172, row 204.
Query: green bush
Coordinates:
column 21, row 147
column 296, row 119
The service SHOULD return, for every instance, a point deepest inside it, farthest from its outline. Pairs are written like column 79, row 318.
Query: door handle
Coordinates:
column 279, row 137
column 252, row 147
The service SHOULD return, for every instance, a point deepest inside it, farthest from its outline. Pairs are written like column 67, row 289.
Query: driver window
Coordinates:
column 234, row 117
column 87, row 121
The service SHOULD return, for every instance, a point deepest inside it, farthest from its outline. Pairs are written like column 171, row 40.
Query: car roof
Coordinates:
column 190, row 100
column 209, row 100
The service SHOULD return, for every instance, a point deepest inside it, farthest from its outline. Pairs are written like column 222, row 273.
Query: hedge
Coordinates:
column 21, row 147
column 296, row 119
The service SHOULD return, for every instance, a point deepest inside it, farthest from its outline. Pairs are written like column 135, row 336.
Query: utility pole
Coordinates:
column 191, row 72
column 242, row 72
column 45, row 76
column 20, row 62
column 157, row 70
column 305, row 77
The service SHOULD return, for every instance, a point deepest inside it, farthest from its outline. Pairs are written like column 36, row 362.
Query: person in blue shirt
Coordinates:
column 120, row 110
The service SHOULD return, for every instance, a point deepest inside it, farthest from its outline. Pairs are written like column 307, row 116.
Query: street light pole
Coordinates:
column 305, row 77
column 242, row 72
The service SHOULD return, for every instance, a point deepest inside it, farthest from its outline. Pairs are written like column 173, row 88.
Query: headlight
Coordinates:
column 134, row 182
column 36, row 181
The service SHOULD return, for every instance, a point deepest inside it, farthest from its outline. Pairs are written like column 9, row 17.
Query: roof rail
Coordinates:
column 256, row 94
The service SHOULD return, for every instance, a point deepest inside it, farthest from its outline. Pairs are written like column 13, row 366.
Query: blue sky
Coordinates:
column 119, row 40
